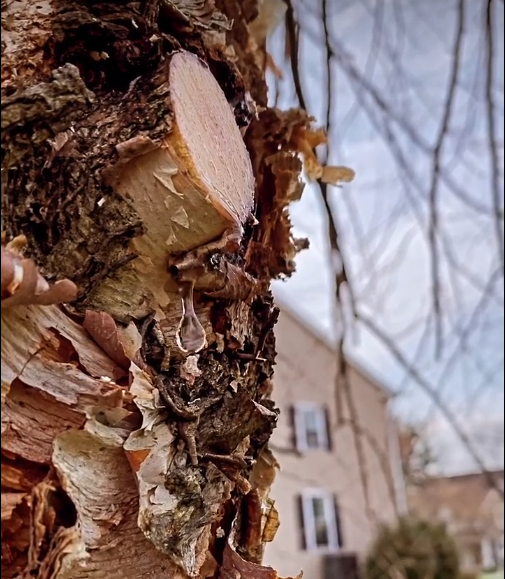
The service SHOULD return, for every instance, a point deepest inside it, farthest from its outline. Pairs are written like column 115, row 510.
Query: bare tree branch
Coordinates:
column 492, row 125
column 292, row 40
column 345, row 61
column 342, row 386
column 433, row 222
column 431, row 391
column 338, row 264
column 386, row 113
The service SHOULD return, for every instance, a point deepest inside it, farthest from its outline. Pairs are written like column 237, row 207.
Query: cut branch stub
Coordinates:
column 187, row 189
column 199, row 182
column 207, row 139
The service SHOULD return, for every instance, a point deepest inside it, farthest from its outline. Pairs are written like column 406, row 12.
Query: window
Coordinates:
column 311, row 427
column 320, row 521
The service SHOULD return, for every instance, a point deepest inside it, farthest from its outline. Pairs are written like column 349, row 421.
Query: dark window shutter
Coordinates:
column 301, row 522
column 328, row 428
column 338, row 522
column 292, row 424
column 341, row 566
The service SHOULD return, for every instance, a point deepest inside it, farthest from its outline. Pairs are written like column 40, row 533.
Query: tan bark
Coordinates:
column 141, row 232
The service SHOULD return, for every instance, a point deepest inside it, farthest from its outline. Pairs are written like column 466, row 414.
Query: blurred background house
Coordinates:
column 472, row 508
column 337, row 482
column 410, row 254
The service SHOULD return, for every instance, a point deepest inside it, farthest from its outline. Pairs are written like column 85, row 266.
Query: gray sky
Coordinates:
column 404, row 50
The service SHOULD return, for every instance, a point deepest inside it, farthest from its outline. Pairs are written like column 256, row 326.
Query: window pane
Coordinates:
column 312, row 428
column 312, row 439
column 321, row 529
column 311, row 420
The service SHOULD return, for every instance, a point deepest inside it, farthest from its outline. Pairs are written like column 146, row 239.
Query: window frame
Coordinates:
column 301, row 409
column 309, row 521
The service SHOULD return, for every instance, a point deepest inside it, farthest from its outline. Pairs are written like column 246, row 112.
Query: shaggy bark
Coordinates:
column 140, row 236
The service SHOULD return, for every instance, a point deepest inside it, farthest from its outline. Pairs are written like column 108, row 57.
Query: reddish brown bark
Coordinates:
column 135, row 420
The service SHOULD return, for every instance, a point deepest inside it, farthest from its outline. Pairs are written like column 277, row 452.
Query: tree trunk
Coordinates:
column 144, row 195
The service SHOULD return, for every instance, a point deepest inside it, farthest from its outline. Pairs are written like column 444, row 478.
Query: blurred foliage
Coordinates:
column 413, row 549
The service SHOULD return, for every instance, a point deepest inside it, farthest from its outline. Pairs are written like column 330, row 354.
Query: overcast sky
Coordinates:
column 405, row 52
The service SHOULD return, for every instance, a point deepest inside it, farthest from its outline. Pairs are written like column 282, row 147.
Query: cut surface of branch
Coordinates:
column 199, row 183
column 194, row 185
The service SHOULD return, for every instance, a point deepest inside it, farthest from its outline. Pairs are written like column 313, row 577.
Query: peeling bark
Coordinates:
column 144, row 214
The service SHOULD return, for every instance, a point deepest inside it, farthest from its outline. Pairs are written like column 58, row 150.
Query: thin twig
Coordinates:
column 491, row 131
column 433, row 223
column 342, row 382
column 353, row 74
column 382, row 458
column 431, row 391
column 341, row 279
column 360, row 452
column 291, row 26
column 464, row 334
column 339, row 269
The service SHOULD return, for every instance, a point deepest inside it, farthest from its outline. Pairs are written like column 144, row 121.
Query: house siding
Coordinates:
column 306, row 370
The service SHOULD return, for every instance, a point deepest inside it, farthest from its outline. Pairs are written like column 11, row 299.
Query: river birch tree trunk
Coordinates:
column 144, row 193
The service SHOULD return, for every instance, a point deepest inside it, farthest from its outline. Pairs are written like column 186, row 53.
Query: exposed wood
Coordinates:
column 206, row 138
column 193, row 186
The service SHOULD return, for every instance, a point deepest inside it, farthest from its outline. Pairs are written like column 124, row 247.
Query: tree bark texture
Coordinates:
column 144, row 193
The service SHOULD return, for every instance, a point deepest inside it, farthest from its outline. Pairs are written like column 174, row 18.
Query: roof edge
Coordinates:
column 499, row 472
column 332, row 347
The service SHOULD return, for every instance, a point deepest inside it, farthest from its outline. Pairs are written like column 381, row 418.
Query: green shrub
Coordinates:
column 413, row 549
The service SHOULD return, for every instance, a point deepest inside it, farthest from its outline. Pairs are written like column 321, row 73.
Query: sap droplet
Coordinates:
column 190, row 335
